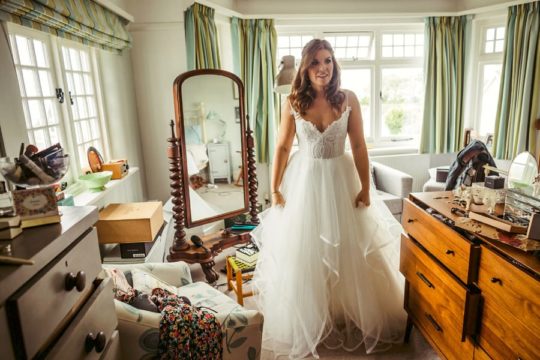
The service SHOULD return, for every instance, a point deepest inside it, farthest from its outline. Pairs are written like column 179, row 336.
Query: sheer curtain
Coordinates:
column 520, row 83
column 202, row 47
column 254, row 51
column 446, row 46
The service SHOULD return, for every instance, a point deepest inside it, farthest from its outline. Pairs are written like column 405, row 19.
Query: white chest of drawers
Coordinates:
column 219, row 159
column 57, row 308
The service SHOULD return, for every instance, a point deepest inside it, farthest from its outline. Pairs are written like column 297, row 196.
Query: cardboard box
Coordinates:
column 130, row 222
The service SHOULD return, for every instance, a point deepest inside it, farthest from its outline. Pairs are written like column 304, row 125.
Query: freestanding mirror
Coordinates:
column 212, row 163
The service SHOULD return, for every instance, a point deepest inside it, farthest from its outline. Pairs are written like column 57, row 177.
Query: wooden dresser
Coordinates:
column 471, row 297
column 58, row 308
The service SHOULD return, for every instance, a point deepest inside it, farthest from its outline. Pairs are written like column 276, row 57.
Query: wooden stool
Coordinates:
column 236, row 285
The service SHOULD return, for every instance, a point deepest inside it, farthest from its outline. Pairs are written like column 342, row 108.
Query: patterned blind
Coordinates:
column 84, row 21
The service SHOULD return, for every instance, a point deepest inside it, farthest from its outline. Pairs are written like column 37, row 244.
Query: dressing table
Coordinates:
column 471, row 297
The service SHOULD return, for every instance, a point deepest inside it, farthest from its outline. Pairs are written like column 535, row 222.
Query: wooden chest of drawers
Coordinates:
column 470, row 297
column 58, row 306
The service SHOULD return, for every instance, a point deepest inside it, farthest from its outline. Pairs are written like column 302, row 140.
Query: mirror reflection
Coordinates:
column 212, row 133
column 522, row 171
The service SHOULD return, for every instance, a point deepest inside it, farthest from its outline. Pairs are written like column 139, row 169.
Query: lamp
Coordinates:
column 285, row 75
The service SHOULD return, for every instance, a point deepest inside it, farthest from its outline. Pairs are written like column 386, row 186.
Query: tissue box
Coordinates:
column 442, row 174
column 130, row 222
column 494, row 182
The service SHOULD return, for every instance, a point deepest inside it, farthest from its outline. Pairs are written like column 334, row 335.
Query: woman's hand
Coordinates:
column 277, row 199
column 362, row 199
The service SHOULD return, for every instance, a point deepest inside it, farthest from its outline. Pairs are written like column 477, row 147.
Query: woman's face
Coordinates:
column 321, row 68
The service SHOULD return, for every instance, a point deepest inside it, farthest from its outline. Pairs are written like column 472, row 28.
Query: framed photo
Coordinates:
column 237, row 114
column 236, row 95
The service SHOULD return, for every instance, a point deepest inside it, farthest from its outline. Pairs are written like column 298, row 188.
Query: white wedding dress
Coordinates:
column 327, row 272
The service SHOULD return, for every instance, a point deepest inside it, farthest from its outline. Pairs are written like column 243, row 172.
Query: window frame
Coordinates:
column 59, row 80
column 374, row 140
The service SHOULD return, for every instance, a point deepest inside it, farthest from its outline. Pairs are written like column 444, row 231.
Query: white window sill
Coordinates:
column 93, row 198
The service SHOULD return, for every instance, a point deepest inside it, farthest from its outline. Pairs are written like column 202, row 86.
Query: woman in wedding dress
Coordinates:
column 327, row 271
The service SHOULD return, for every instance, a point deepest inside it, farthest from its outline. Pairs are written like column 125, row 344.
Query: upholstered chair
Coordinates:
column 139, row 329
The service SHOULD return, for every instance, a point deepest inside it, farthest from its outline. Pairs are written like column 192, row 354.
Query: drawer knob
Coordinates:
column 97, row 342
column 75, row 281
column 450, row 252
column 424, row 279
column 496, row 280
column 433, row 322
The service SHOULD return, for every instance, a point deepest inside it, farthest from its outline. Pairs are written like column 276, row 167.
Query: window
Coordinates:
column 384, row 68
column 490, row 55
column 292, row 45
column 58, row 89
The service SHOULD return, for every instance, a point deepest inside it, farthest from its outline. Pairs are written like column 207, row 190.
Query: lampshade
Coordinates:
column 285, row 75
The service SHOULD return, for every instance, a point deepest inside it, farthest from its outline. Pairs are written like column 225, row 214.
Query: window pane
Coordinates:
column 409, row 39
column 351, row 53
column 46, row 84
column 37, row 115
column 398, row 51
column 490, row 34
column 352, row 41
column 420, row 39
column 359, row 81
column 489, row 47
column 499, row 44
column 75, row 59
column 67, row 61
column 54, row 134
column 387, row 51
column 79, row 85
column 40, row 139
column 95, row 128
column 91, row 106
column 296, row 41
column 500, row 33
column 402, row 99
column 85, row 131
column 490, row 90
column 398, row 39
column 340, row 53
column 51, row 112
column 30, row 82
column 283, row 41
column 41, row 54
column 88, row 87
column 387, row 39
column 85, row 61
column 23, row 47
column 341, row 41
column 81, row 104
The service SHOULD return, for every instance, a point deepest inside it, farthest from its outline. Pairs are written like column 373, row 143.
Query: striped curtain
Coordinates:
column 254, row 52
column 84, row 21
column 520, row 83
column 202, row 47
column 446, row 44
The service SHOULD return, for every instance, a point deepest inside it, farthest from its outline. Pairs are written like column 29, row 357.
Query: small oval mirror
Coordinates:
column 522, row 171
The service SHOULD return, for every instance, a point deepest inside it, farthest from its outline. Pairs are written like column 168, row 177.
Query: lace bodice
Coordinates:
column 327, row 144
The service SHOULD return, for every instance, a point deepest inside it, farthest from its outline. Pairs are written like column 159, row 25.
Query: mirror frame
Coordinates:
column 179, row 128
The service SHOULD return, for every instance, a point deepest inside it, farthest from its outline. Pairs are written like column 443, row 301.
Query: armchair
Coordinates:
column 392, row 186
column 139, row 329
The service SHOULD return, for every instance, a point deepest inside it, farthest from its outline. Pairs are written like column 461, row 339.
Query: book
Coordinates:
column 113, row 256
column 135, row 250
column 10, row 233
column 248, row 254
column 52, row 219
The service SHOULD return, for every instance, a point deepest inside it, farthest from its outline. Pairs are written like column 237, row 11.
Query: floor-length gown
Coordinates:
column 327, row 271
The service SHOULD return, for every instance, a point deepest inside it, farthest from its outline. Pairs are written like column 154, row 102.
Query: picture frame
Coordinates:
column 237, row 114
column 236, row 94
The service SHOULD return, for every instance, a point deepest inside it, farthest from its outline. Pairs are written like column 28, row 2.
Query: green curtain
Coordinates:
column 84, row 21
column 520, row 82
column 202, row 48
column 254, row 54
column 446, row 45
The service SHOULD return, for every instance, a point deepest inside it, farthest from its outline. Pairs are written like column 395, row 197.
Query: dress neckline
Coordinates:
column 300, row 118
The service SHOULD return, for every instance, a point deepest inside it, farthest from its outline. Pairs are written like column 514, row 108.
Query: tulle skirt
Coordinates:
column 328, row 272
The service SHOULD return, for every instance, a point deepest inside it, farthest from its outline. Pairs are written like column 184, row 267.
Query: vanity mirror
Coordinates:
column 522, row 172
column 212, row 163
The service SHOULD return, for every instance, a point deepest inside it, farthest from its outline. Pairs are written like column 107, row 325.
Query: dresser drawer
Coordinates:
column 113, row 351
column 452, row 302
column 437, row 327
column 480, row 354
column 5, row 338
column 504, row 336
column 459, row 255
column 44, row 303
column 98, row 316
column 510, row 288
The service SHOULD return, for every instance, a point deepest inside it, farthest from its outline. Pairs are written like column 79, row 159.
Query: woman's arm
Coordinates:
column 359, row 149
column 287, row 129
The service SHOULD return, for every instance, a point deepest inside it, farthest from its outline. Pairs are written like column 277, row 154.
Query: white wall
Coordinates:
column 12, row 118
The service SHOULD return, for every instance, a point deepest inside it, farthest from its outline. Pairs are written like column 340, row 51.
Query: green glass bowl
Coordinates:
column 96, row 181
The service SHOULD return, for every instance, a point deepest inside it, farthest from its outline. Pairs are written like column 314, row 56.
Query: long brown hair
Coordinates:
column 302, row 93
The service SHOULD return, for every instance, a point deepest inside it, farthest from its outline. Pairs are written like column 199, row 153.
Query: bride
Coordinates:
column 329, row 248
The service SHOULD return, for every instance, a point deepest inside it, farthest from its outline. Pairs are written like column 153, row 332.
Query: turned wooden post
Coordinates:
column 252, row 174
column 177, row 192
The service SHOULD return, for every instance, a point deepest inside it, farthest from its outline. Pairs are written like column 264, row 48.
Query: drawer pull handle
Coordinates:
column 433, row 322
column 410, row 220
column 496, row 280
column 97, row 342
column 450, row 252
column 424, row 279
column 75, row 281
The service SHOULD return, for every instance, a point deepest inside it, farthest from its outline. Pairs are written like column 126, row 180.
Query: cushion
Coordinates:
column 146, row 282
column 121, row 287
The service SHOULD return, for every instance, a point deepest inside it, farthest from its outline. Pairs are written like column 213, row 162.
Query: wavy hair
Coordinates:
column 302, row 93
